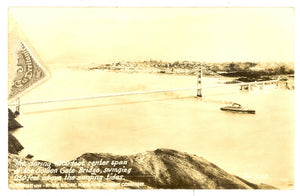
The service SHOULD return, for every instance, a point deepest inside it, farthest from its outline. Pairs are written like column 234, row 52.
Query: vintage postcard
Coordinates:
column 150, row 98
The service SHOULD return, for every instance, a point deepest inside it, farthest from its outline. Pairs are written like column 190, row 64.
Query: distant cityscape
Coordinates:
column 247, row 71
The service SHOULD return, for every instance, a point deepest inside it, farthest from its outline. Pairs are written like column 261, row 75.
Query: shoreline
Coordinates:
column 285, row 81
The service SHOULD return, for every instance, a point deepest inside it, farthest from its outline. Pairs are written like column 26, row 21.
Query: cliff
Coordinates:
column 14, row 146
column 12, row 123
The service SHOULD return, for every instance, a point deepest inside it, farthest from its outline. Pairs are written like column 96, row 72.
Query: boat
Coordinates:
column 235, row 107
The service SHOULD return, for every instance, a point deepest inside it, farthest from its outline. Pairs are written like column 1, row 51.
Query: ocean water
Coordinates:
column 259, row 147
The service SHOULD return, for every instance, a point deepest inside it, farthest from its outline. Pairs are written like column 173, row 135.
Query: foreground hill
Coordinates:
column 159, row 169
column 170, row 169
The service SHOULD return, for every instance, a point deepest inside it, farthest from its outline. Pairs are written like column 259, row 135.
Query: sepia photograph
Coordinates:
column 151, row 98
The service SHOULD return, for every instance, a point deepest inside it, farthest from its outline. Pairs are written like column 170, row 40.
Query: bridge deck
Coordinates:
column 136, row 93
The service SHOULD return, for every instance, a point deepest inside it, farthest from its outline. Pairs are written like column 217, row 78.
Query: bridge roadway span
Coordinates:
column 139, row 92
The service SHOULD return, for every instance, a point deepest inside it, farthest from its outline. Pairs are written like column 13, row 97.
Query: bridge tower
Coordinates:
column 199, row 83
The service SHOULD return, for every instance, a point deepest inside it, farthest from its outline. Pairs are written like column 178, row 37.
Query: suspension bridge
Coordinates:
column 199, row 89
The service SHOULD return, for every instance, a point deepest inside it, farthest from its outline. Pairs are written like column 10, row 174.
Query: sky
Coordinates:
column 69, row 36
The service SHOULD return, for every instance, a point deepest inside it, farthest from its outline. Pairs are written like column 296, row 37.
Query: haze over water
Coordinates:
column 256, row 147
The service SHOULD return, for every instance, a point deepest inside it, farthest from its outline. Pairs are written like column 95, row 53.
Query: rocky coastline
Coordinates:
column 14, row 146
